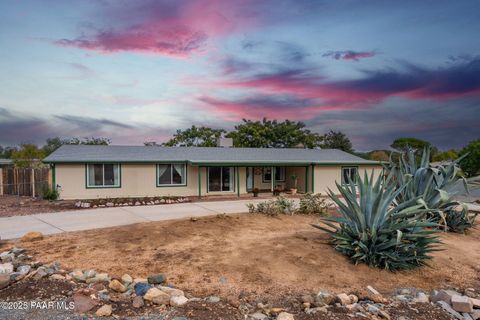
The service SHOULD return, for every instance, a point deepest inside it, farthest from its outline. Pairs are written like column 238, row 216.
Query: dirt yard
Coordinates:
column 22, row 206
column 249, row 254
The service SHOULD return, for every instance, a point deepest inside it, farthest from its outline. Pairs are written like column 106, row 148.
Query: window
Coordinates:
column 171, row 174
column 279, row 174
column 103, row 175
column 221, row 179
column 349, row 172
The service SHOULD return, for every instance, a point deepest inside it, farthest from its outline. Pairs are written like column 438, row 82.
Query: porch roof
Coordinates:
column 202, row 156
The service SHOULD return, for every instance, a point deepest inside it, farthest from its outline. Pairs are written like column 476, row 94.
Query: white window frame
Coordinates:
column 116, row 166
column 344, row 181
column 171, row 184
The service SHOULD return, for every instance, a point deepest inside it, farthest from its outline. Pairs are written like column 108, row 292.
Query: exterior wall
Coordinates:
column 288, row 183
column 325, row 176
column 137, row 180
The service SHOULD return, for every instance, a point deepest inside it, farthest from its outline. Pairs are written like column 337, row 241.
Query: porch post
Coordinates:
column 199, row 181
column 238, row 181
column 272, row 177
column 306, row 179
column 313, row 178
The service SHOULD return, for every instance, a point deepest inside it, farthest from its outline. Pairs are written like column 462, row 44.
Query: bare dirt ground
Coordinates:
column 249, row 254
column 22, row 206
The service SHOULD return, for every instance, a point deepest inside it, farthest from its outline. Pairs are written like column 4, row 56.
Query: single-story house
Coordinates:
column 87, row 172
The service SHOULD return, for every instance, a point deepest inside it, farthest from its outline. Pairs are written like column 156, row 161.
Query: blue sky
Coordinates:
column 137, row 71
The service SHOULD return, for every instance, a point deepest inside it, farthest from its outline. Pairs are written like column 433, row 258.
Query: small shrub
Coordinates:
column 461, row 220
column 50, row 194
column 313, row 204
column 279, row 205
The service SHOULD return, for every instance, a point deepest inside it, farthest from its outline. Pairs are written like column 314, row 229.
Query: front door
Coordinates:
column 221, row 179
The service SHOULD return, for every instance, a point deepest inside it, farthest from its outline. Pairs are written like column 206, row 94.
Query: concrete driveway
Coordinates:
column 86, row 219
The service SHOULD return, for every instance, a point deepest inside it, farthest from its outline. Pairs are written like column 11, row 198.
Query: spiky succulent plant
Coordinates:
column 373, row 229
column 434, row 187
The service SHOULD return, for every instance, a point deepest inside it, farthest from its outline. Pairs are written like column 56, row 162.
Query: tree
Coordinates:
column 273, row 134
column 53, row 144
column 445, row 155
column 6, row 152
column 378, row 155
column 195, row 137
column 471, row 163
column 337, row 140
column 403, row 144
column 28, row 155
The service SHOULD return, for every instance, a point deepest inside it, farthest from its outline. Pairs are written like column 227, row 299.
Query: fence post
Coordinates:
column 1, row 181
column 33, row 182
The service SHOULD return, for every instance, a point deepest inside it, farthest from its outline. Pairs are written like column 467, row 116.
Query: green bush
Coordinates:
column 279, row 205
column 374, row 231
column 313, row 204
column 50, row 194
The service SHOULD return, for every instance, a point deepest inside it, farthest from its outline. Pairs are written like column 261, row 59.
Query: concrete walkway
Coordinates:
column 86, row 219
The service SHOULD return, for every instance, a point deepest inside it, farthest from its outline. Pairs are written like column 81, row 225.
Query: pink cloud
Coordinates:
column 176, row 29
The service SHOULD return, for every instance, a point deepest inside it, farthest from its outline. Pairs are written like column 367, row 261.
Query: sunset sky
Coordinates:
column 137, row 71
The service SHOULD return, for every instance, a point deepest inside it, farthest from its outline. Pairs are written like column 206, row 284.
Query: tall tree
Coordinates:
column 471, row 164
column 337, row 140
column 273, row 134
column 195, row 137
column 28, row 155
column 403, row 144
column 378, row 155
column 6, row 152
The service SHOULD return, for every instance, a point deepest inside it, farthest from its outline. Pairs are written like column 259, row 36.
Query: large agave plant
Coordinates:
column 433, row 187
column 372, row 229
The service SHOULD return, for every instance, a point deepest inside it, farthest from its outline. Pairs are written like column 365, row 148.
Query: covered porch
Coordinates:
column 241, row 180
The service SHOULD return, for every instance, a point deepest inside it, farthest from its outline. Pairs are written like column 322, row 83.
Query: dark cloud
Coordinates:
column 17, row 128
column 349, row 55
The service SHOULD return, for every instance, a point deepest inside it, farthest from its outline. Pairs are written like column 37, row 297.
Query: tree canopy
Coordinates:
column 273, row 134
column 471, row 163
column 53, row 144
column 402, row 144
column 28, row 155
column 337, row 140
column 195, row 137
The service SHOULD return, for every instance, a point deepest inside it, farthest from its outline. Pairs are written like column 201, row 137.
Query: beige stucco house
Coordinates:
column 88, row 172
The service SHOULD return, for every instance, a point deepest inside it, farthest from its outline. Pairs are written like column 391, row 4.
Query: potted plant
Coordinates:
column 295, row 181
column 255, row 192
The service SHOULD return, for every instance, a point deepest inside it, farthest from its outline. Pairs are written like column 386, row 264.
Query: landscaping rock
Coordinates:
column 285, row 316
column 117, row 286
column 372, row 290
column 127, row 279
column 444, row 295
column 32, row 236
column 343, row 299
column 6, row 268
column 40, row 273
column 258, row 316
column 172, row 292
column 462, row 304
column 449, row 309
column 83, row 303
column 78, row 275
column 23, row 270
column 141, row 288
column 475, row 314
column 104, row 311
column 57, row 277
column 324, row 298
column 90, row 274
column 421, row 298
column 353, row 298
column 138, row 302
column 4, row 280
column 213, row 299
column 99, row 277
column 157, row 296
column 156, row 279
column 475, row 302
column 178, row 301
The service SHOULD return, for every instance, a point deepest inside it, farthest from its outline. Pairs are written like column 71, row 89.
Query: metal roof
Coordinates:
column 200, row 155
